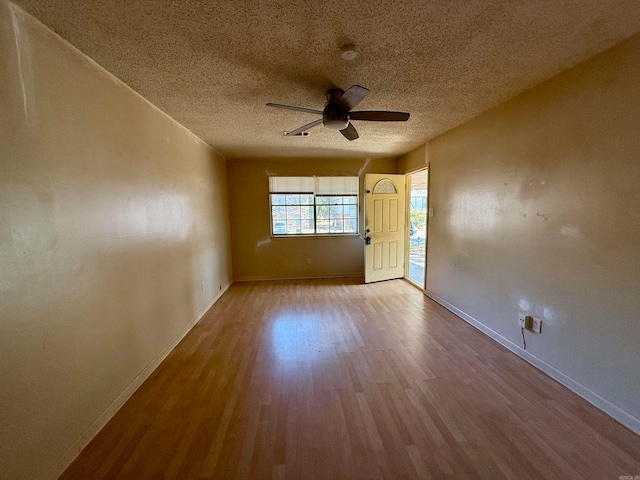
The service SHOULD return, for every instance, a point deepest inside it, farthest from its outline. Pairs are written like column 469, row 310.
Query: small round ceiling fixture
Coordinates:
column 348, row 52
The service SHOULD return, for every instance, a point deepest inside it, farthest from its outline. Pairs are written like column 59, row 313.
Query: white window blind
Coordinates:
column 317, row 185
column 336, row 185
column 291, row 184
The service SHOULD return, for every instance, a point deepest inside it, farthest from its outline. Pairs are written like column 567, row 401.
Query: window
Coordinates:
column 385, row 186
column 313, row 205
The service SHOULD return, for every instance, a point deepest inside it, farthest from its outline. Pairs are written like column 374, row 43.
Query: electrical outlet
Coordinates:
column 525, row 321
column 203, row 286
column 537, row 325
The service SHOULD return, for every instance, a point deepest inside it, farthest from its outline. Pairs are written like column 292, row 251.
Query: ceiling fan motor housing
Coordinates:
column 333, row 117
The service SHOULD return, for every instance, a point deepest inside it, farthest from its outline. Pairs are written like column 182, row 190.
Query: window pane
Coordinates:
column 306, row 212
column 353, row 200
column 322, row 212
column 306, row 199
column 351, row 225
column 279, row 212
column 336, row 211
column 350, row 211
column 293, row 199
column 293, row 227
column 323, row 226
column 293, row 213
column 307, row 226
column 335, row 200
column 279, row 227
column 277, row 199
column 337, row 226
column 322, row 200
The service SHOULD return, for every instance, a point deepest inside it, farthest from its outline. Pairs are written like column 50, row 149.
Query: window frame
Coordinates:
column 314, row 206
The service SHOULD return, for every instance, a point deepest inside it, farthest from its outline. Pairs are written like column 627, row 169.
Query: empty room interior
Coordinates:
column 320, row 240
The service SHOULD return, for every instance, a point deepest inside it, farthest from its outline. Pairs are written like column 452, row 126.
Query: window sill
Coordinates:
column 316, row 235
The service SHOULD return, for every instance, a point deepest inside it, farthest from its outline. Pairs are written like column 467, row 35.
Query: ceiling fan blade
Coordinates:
column 352, row 97
column 379, row 116
column 297, row 109
column 350, row 133
column 304, row 128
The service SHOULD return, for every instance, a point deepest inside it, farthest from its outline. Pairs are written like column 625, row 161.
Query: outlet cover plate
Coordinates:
column 521, row 320
column 537, row 325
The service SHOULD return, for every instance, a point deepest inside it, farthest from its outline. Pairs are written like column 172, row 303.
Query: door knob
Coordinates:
column 367, row 240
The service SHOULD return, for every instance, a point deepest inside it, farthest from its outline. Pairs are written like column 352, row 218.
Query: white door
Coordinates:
column 384, row 227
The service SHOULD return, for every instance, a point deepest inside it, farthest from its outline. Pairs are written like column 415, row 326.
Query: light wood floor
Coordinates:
column 328, row 379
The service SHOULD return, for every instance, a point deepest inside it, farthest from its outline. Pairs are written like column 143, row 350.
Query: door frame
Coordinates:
column 408, row 225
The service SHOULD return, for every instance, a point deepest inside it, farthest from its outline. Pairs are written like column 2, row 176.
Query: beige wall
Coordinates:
column 256, row 255
column 414, row 160
column 537, row 211
column 111, row 216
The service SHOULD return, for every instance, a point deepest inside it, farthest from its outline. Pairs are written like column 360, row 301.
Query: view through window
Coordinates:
column 418, row 226
column 313, row 205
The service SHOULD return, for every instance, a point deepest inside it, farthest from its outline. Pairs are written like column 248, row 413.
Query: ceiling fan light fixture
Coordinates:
column 336, row 124
column 348, row 52
column 333, row 117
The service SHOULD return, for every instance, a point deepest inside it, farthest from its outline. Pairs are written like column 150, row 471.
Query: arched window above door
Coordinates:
column 385, row 186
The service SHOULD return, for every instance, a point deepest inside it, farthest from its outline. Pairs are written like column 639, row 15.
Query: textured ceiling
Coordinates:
column 212, row 65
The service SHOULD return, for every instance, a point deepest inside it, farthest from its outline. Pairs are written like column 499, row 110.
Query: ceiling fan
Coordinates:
column 337, row 113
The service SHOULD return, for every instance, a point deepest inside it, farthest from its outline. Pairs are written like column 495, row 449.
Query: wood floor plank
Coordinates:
column 333, row 379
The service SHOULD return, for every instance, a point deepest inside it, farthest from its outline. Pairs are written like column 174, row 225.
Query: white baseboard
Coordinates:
column 312, row 277
column 85, row 438
column 596, row 400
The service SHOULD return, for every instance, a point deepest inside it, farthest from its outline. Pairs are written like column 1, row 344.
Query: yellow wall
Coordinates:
column 414, row 160
column 537, row 210
column 111, row 216
column 256, row 255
